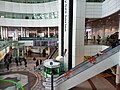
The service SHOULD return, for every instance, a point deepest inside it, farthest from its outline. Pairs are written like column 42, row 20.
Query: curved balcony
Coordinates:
column 29, row 1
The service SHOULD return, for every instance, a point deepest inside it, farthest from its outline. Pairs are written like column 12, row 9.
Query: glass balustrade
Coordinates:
column 49, row 15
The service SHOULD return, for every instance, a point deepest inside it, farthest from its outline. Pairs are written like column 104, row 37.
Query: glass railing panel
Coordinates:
column 38, row 38
column 49, row 15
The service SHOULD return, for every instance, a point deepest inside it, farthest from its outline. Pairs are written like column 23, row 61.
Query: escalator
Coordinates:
column 86, row 70
column 53, row 54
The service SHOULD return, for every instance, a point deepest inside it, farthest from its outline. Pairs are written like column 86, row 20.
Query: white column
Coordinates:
column 6, row 33
column 54, row 32
column 59, row 29
column 48, row 41
column 4, row 36
column 1, row 32
column 16, row 34
column 48, row 32
column 21, row 31
column 119, row 28
column 118, row 74
column 18, row 52
column 66, row 30
column 118, row 70
column 78, row 31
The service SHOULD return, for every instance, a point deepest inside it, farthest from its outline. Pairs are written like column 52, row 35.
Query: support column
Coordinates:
column 48, row 41
column 54, row 32
column 25, row 32
column 61, row 27
column 16, row 34
column 119, row 28
column 4, row 36
column 1, row 32
column 18, row 52
column 118, row 74
column 78, row 31
column 48, row 32
column 21, row 31
column 68, row 33
column 118, row 66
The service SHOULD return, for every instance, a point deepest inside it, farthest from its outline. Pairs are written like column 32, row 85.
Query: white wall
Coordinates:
column 110, row 6
column 93, row 10
column 29, row 23
column 99, row 10
column 28, row 8
column 91, row 50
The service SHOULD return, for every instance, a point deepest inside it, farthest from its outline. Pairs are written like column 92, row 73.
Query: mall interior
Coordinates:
column 59, row 44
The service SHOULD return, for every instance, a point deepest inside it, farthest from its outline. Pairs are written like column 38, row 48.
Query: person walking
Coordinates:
column 7, row 63
column 94, row 39
column 16, row 61
column 34, row 59
column 107, row 40
column 37, row 63
column 25, row 62
column 98, row 39
column 20, row 61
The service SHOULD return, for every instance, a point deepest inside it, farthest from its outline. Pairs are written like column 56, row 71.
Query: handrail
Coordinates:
column 39, row 38
column 19, row 85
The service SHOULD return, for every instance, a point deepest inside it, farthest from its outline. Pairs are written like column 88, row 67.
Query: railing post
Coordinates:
column 52, row 80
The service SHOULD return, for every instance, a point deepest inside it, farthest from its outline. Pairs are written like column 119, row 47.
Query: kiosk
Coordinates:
column 51, row 68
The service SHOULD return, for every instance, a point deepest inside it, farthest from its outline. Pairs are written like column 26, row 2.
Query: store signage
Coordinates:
column 66, row 14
